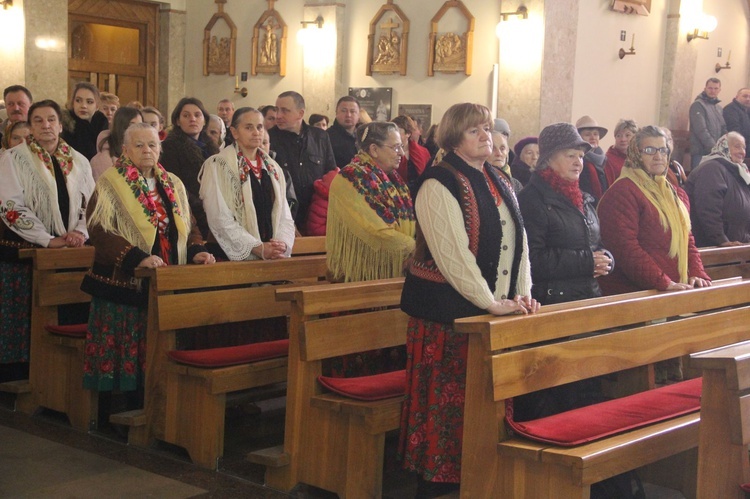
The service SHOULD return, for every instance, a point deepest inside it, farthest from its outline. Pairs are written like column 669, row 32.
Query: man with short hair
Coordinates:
column 225, row 111
column 304, row 151
column 341, row 132
column 269, row 116
column 17, row 102
column 737, row 114
column 706, row 121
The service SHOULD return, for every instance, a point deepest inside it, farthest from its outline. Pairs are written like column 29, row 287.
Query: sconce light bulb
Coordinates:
column 708, row 23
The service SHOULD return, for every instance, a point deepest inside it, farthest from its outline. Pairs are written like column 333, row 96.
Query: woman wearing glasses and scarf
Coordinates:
column 645, row 223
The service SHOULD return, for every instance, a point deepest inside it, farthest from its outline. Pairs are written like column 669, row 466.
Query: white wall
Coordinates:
column 606, row 87
column 441, row 90
column 731, row 34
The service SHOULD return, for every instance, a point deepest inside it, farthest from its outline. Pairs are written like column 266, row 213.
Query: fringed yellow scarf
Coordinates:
column 122, row 207
column 371, row 223
column 673, row 213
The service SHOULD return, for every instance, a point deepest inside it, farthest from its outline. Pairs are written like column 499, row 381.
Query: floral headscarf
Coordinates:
column 721, row 151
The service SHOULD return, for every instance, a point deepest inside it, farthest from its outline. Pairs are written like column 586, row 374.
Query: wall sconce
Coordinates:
column 242, row 91
column 318, row 22
column 7, row 3
column 624, row 52
column 719, row 67
column 705, row 25
column 521, row 13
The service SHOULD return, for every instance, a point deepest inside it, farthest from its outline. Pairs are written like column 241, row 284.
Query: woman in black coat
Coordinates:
column 563, row 230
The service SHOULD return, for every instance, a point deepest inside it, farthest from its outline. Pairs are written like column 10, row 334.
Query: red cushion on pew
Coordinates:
column 376, row 387
column 230, row 356
column 613, row 416
column 73, row 330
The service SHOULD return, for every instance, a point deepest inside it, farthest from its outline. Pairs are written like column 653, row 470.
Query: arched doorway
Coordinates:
column 113, row 44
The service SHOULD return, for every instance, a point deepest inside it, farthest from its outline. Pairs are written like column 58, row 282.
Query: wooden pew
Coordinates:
column 56, row 362
column 334, row 442
column 725, row 421
column 185, row 405
column 732, row 261
column 512, row 356
column 309, row 245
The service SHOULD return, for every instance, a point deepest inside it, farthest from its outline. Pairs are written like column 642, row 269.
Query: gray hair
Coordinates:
column 135, row 127
column 648, row 131
column 735, row 136
column 222, row 126
column 626, row 125
column 374, row 133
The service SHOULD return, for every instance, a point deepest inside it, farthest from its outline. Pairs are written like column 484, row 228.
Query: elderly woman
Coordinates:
column 499, row 157
column 646, row 224
column 371, row 225
column 471, row 258
column 719, row 191
column 216, row 130
column 618, row 152
column 593, row 178
column 526, row 155
column 110, row 141
column 83, row 121
column 244, row 195
column 676, row 173
column 185, row 150
column 138, row 217
column 44, row 190
column 565, row 246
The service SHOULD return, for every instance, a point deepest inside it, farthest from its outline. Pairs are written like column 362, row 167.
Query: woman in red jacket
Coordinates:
column 645, row 223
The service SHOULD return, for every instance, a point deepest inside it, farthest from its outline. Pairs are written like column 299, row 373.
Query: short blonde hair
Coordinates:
column 108, row 98
column 459, row 118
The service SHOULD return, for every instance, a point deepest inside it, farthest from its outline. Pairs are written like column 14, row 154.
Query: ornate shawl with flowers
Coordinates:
column 28, row 191
column 673, row 214
column 371, row 222
column 124, row 208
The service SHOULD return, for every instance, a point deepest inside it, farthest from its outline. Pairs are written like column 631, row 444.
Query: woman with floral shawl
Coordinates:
column 138, row 217
column 43, row 194
column 370, row 228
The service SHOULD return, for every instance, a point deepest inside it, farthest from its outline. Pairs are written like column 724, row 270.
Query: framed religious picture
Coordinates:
column 450, row 52
column 375, row 101
column 642, row 7
column 269, row 43
column 388, row 41
column 421, row 113
column 219, row 43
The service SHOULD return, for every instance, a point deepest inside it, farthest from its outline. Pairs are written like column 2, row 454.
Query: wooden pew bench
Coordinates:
column 724, row 434
column 513, row 356
column 331, row 441
column 721, row 263
column 309, row 245
column 184, row 404
column 56, row 361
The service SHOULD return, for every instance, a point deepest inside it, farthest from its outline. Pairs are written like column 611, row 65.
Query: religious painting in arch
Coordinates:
column 387, row 42
column 451, row 49
column 641, row 7
column 219, row 43
column 269, row 43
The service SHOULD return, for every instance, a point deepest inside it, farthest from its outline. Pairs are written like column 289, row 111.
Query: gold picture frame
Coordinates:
column 269, row 43
column 640, row 7
column 451, row 52
column 219, row 52
column 389, row 54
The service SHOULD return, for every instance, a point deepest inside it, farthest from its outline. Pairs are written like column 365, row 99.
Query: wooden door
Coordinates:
column 112, row 43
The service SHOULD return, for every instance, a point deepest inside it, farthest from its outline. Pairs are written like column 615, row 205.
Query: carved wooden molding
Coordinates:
column 389, row 54
column 641, row 7
column 219, row 53
column 269, row 43
column 451, row 52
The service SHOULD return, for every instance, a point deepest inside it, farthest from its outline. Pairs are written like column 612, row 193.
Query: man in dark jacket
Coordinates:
column 304, row 151
column 737, row 114
column 341, row 132
column 706, row 122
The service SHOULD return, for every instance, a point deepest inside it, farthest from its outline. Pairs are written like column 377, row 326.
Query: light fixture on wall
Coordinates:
column 7, row 3
column 242, row 91
column 318, row 22
column 624, row 52
column 719, row 67
column 521, row 13
column 704, row 25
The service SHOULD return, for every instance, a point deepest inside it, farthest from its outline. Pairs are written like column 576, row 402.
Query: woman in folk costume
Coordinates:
column 371, row 224
column 244, row 196
column 44, row 190
column 370, row 230
column 138, row 217
column 471, row 258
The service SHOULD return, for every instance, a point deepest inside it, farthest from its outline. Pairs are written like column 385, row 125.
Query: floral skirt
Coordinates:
column 115, row 347
column 15, row 312
column 432, row 421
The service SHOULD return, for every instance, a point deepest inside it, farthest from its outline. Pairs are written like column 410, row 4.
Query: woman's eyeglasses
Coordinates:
column 396, row 147
column 651, row 151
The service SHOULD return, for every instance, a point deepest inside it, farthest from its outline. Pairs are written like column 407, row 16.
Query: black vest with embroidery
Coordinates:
column 427, row 294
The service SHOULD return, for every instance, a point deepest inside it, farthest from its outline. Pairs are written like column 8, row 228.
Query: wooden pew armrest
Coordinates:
column 379, row 415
